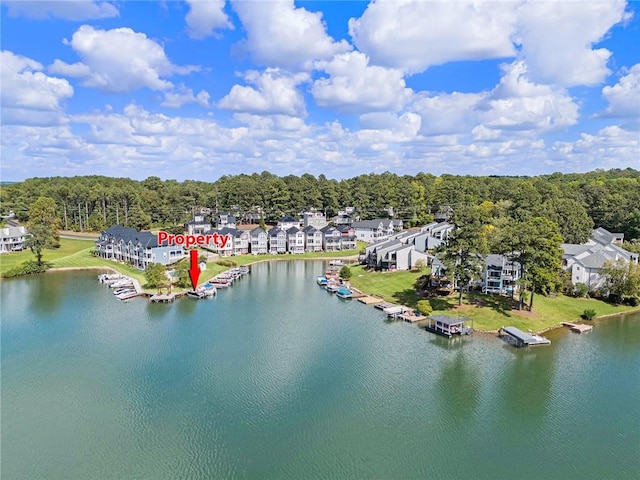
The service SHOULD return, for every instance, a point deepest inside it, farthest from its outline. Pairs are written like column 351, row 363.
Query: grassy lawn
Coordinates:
column 489, row 312
column 395, row 287
column 67, row 247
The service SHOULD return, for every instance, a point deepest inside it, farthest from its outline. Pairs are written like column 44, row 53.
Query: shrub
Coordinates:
column 226, row 262
column 345, row 273
column 633, row 301
column 588, row 314
column 581, row 290
column 424, row 307
column 27, row 268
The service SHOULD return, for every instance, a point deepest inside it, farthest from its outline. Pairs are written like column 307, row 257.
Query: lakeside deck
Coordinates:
column 412, row 317
column 369, row 300
column 165, row 297
column 578, row 327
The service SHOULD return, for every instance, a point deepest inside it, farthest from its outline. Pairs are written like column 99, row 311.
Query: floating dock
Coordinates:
column 369, row 300
column 411, row 317
column 165, row 297
column 578, row 327
column 523, row 339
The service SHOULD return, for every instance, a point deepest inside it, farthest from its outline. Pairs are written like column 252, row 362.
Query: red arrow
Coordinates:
column 194, row 271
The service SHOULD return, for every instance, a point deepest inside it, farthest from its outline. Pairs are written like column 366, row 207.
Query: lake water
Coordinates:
column 276, row 378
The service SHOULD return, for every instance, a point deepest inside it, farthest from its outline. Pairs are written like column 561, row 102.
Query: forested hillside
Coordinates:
column 577, row 202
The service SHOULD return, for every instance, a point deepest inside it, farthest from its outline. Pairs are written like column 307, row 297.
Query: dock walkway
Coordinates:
column 411, row 317
column 165, row 297
column 369, row 300
column 578, row 327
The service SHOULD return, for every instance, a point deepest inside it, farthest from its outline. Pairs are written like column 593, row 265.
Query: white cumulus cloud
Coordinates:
column 275, row 92
column 624, row 97
column 518, row 104
column 119, row 60
column 355, row 86
column 75, row 10
column 183, row 95
column 205, row 17
column 29, row 96
column 281, row 35
column 557, row 39
column 414, row 35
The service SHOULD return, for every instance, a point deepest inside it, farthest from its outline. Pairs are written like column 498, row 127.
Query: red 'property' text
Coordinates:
column 188, row 241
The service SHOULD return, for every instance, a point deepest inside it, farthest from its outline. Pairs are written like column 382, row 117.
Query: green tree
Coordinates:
column 345, row 273
column 424, row 307
column 462, row 253
column 571, row 216
column 535, row 245
column 43, row 227
column 182, row 269
column 622, row 279
column 155, row 275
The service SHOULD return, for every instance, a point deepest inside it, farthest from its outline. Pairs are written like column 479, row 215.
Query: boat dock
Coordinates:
column 522, row 339
column 165, row 297
column 395, row 311
column 383, row 305
column 448, row 326
column 369, row 300
column 578, row 327
column 411, row 317
column 123, row 287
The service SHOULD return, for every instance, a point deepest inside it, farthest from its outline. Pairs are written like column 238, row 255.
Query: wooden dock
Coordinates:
column 369, row 300
column 578, row 327
column 411, row 317
column 165, row 297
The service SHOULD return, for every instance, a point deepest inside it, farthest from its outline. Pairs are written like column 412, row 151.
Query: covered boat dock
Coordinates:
column 448, row 326
column 523, row 339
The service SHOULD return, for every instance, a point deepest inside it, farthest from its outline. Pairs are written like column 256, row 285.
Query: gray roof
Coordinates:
column 14, row 231
column 275, row 231
column 256, row 231
column 574, row 249
column 604, row 236
column 595, row 260
column 293, row 230
column 289, row 218
column 375, row 223
column 378, row 247
column 493, row 260
column 344, row 228
column 447, row 320
column 520, row 335
column 310, row 229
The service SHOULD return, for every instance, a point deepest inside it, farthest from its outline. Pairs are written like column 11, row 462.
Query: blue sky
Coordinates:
column 205, row 88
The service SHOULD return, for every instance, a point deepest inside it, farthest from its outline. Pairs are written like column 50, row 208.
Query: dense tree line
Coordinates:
column 575, row 202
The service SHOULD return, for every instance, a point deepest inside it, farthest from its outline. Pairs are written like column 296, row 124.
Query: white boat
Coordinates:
column 208, row 289
column 127, row 295
column 332, row 287
column 195, row 294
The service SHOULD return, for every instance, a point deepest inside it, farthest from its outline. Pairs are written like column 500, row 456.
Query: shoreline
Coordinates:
column 349, row 258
